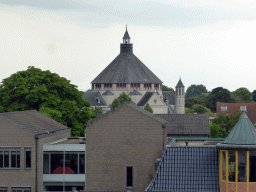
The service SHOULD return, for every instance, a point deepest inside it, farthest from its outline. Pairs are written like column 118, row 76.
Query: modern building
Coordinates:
column 126, row 73
column 36, row 154
column 209, row 165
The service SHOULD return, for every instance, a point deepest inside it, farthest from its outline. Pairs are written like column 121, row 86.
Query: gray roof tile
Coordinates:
column 187, row 124
column 170, row 95
column 34, row 122
column 180, row 84
column 145, row 98
column 187, row 169
column 91, row 97
column 108, row 93
column 135, row 92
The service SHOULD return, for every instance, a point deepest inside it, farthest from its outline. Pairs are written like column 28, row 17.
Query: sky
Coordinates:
column 203, row 42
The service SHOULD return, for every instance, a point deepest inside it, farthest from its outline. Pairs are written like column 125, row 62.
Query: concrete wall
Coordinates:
column 159, row 107
column 122, row 137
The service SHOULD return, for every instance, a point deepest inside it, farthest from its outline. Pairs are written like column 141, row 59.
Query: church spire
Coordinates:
column 126, row 38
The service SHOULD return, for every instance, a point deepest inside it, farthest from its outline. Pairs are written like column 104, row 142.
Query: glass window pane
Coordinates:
column 252, row 166
column 1, row 159
column 224, row 173
column 46, row 163
column 231, row 166
column 242, row 172
column 13, row 159
column 6, row 159
column 81, row 163
column 28, row 159
column 71, row 163
column 18, row 159
column 57, row 163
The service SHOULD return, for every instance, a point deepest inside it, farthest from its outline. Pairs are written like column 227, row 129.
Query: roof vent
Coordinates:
column 97, row 99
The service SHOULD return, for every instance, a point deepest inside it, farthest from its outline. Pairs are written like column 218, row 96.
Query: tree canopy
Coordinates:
column 96, row 111
column 223, row 124
column 201, row 99
column 120, row 100
column 242, row 95
column 254, row 95
column 195, row 90
column 50, row 94
column 218, row 94
column 148, row 108
column 165, row 88
column 198, row 109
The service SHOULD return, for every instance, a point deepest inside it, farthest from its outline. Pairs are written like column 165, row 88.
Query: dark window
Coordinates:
column 13, row 159
column 98, row 85
column 156, row 86
column 6, row 159
column 252, row 166
column 28, row 158
column 71, row 163
column 1, row 159
column 81, row 164
column 46, row 163
column 129, row 176
column 21, row 189
column 57, row 161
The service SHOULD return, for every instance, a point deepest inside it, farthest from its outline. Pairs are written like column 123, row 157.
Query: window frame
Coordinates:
column 132, row 176
column 3, row 189
column 244, row 106
column 222, row 108
column 17, row 159
column 23, row 189
column 25, row 157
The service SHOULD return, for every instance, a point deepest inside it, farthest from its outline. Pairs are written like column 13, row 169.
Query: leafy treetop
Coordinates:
column 165, row 88
column 148, row 108
column 120, row 100
column 50, row 94
column 195, row 90
column 242, row 95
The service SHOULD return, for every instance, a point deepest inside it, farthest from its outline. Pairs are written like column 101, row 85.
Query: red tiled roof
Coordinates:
column 233, row 107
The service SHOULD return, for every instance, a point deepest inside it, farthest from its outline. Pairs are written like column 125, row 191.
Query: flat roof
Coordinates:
column 71, row 140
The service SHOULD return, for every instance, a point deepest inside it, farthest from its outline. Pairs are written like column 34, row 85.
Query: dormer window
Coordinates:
column 243, row 108
column 224, row 108
column 107, row 85
column 97, row 99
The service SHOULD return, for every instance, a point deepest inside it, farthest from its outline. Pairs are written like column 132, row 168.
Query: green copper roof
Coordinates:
column 243, row 133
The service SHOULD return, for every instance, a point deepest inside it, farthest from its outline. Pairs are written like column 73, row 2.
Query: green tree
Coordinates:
column 96, row 111
column 165, row 88
column 201, row 99
column 216, row 131
column 242, row 95
column 120, row 100
column 218, row 94
column 226, row 122
column 254, row 95
column 50, row 94
column 200, row 109
column 148, row 108
column 195, row 90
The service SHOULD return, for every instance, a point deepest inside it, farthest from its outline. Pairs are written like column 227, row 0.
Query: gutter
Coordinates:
column 36, row 184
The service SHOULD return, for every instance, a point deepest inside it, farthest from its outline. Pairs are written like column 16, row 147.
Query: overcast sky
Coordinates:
column 205, row 42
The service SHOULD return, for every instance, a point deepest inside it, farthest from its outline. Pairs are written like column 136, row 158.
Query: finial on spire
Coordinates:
column 126, row 26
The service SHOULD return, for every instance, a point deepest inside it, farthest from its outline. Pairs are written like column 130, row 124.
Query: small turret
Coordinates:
column 180, row 98
column 126, row 46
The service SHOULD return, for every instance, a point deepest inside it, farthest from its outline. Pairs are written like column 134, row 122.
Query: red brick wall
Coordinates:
column 123, row 137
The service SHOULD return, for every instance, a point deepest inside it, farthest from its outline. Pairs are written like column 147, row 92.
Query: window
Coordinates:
column 242, row 173
column 129, row 176
column 3, row 189
column 97, row 99
column 231, row 166
column 98, row 85
column 243, row 108
column 21, row 189
column 55, row 162
column 121, row 85
column 252, row 166
column 9, row 158
column 135, row 85
column 147, row 85
column 27, row 157
column 224, row 108
column 224, row 171
column 107, row 85
column 156, row 86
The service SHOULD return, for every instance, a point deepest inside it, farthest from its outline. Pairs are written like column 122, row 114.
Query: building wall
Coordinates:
column 123, row 137
column 13, row 136
column 180, row 101
column 159, row 107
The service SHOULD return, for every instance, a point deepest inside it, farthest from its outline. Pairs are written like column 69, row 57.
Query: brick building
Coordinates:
column 121, row 149
column 23, row 134
column 229, row 108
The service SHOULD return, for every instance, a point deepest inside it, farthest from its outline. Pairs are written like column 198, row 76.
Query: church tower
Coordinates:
column 180, row 98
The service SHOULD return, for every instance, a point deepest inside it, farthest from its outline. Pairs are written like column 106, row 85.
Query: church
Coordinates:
column 126, row 73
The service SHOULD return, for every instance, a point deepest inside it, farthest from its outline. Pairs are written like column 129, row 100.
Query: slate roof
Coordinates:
column 108, row 93
column 190, row 168
column 180, row 84
column 126, row 35
column 34, row 122
column 135, row 92
column 233, row 107
column 187, row 124
column 145, row 98
column 126, row 68
column 170, row 95
column 91, row 95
